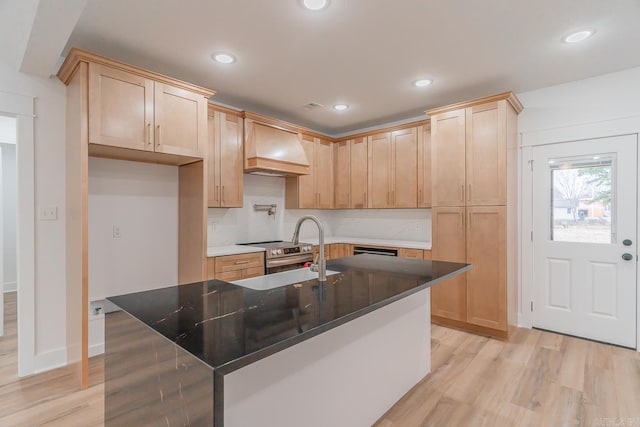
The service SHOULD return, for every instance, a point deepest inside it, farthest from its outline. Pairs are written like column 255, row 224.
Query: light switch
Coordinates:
column 49, row 213
column 116, row 232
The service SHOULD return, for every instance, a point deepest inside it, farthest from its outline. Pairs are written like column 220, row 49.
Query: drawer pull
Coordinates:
column 243, row 261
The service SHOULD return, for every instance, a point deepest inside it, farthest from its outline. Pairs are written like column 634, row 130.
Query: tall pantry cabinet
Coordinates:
column 474, row 156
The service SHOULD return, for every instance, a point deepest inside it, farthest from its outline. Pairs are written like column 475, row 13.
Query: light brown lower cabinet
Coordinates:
column 410, row 253
column 486, row 282
column 235, row 267
column 448, row 298
column 476, row 300
column 334, row 250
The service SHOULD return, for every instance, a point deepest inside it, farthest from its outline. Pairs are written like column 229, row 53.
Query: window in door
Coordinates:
column 582, row 202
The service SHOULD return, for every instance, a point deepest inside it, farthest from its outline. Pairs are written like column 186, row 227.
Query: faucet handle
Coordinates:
column 314, row 265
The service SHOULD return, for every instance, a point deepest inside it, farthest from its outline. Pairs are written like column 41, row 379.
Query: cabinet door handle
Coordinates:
column 217, row 195
column 469, row 192
column 223, row 194
column 393, row 197
column 419, row 197
column 461, row 220
column 365, row 199
column 469, row 220
column 158, row 136
column 462, row 192
column 149, row 133
column 388, row 193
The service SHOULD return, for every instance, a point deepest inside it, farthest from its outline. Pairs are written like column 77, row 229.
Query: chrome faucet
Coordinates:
column 322, row 264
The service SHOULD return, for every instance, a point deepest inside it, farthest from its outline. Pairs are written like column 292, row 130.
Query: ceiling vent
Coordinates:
column 313, row 105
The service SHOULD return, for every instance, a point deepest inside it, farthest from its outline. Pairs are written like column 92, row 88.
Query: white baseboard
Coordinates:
column 10, row 287
column 50, row 360
column 96, row 349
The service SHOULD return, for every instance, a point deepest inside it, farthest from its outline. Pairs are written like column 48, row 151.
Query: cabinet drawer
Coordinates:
column 252, row 272
column 410, row 253
column 229, row 275
column 227, row 263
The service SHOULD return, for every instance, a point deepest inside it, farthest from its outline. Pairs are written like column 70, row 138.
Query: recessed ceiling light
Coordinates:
column 422, row 82
column 578, row 36
column 340, row 107
column 224, row 58
column 315, row 4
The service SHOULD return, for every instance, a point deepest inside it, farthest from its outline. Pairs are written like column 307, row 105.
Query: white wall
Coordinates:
column 142, row 201
column 49, row 141
column 9, row 205
column 606, row 97
column 393, row 224
column 228, row 226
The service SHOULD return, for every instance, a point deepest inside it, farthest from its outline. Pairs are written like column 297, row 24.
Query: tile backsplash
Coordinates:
column 228, row 226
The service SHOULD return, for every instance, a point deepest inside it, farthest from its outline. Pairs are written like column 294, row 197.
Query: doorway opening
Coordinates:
column 8, row 224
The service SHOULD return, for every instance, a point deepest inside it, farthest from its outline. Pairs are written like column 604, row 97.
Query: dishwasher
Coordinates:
column 357, row 250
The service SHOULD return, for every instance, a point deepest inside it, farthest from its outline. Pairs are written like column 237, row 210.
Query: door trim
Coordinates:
column 528, row 140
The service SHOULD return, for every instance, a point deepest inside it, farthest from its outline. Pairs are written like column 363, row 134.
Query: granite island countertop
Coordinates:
column 228, row 326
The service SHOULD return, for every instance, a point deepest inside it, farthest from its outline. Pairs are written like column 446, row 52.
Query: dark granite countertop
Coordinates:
column 228, row 326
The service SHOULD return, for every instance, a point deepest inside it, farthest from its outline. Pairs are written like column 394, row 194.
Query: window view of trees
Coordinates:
column 581, row 202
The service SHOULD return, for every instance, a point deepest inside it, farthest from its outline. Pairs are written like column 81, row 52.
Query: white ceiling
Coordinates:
column 362, row 52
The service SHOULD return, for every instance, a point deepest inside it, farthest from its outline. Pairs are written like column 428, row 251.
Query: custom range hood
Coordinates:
column 270, row 149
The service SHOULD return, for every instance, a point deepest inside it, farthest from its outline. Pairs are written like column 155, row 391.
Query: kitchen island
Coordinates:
column 305, row 353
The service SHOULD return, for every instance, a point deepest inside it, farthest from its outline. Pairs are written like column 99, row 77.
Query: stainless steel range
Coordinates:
column 283, row 256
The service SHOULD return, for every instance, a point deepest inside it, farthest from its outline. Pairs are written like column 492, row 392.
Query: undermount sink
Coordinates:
column 276, row 280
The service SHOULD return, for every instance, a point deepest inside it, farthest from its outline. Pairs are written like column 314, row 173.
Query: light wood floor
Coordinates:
column 48, row 399
column 536, row 379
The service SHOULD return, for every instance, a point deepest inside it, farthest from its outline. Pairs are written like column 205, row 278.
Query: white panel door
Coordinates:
column 584, row 238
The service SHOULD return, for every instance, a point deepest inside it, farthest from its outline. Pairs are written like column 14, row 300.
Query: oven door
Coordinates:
column 287, row 263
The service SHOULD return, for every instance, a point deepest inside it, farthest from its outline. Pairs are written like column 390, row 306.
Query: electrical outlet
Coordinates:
column 116, row 232
column 48, row 213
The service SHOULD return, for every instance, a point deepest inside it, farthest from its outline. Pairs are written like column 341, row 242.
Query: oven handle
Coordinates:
column 289, row 260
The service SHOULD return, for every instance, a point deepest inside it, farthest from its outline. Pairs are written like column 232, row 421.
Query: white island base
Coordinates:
column 348, row 376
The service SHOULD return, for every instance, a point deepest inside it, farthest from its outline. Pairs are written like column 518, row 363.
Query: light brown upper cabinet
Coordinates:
column 404, row 166
column 224, row 159
column 393, row 169
column 424, row 166
column 120, row 109
column 315, row 190
column 486, row 154
column 358, row 172
column 342, row 171
column 448, row 158
column 324, row 173
column 469, row 155
column 379, row 169
column 306, row 183
column 180, row 121
column 130, row 110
